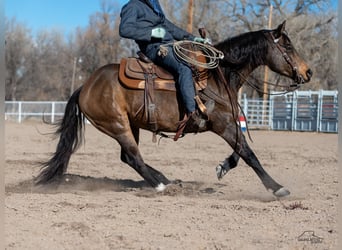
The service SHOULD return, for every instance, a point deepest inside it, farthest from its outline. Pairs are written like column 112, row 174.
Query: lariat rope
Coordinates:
column 211, row 54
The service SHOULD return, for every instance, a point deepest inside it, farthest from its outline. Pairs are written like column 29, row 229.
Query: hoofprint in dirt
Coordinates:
column 104, row 204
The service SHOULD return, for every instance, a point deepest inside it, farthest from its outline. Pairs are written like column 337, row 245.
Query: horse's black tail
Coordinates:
column 70, row 133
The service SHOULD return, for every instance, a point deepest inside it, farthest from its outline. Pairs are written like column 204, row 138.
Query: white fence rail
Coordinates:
column 21, row 110
column 299, row 110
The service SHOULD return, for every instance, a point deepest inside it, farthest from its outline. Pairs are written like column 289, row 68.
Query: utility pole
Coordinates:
column 266, row 68
column 190, row 15
column 73, row 76
column 76, row 60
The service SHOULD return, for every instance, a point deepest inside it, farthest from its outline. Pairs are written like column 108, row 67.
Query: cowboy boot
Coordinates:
column 199, row 119
column 195, row 120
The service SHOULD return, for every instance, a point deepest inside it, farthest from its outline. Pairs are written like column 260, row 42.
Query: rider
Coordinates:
column 144, row 21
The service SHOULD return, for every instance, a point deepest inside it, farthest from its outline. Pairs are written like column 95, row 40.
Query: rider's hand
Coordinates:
column 202, row 40
column 158, row 32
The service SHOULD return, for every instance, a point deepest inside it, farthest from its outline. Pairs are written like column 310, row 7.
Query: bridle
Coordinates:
column 286, row 88
column 297, row 78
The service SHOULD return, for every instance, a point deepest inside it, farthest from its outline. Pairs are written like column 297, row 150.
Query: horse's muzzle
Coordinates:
column 309, row 74
column 300, row 79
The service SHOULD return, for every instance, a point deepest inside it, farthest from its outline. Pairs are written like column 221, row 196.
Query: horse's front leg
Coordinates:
column 235, row 138
column 228, row 164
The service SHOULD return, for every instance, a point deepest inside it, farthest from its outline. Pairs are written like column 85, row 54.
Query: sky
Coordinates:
column 63, row 15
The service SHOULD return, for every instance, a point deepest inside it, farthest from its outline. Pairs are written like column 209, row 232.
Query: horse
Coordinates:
column 239, row 64
column 113, row 108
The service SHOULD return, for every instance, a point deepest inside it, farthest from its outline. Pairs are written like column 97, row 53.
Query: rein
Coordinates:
column 236, row 107
column 287, row 88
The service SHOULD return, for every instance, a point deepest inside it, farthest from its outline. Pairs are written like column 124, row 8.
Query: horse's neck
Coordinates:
column 237, row 72
column 237, row 77
column 243, row 75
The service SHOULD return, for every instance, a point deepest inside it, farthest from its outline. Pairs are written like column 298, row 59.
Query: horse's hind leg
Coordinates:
column 130, row 154
column 126, row 157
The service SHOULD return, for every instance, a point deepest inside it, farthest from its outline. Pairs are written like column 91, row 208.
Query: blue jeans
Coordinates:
column 181, row 72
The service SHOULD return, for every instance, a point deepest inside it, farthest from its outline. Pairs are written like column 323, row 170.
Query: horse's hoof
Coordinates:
column 161, row 187
column 221, row 171
column 281, row 192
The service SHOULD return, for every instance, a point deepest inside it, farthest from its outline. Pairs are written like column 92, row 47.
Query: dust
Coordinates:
column 72, row 183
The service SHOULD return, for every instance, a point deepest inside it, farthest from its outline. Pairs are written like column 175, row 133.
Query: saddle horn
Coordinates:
column 202, row 32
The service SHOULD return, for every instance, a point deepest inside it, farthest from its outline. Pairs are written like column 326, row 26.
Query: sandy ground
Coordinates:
column 106, row 205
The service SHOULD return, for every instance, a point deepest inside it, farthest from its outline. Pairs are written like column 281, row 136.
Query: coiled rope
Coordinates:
column 184, row 50
column 187, row 51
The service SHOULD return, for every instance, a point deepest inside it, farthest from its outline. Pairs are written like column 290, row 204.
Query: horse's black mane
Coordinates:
column 247, row 48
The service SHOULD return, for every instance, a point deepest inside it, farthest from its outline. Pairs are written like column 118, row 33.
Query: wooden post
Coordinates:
column 190, row 15
column 73, row 76
column 266, row 68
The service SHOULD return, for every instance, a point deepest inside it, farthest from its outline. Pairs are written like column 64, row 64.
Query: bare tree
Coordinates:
column 99, row 43
column 47, row 67
column 49, row 73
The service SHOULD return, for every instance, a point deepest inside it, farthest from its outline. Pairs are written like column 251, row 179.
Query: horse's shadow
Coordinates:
column 71, row 183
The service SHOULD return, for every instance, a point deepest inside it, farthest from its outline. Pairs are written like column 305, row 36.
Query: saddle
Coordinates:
column 133, row 70
column 142, row 73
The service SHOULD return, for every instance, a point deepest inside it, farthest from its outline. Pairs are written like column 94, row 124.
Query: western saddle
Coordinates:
column 141, row 73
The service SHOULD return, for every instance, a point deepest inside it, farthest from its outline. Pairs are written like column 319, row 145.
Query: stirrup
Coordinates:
column 181, row 127
column 199, row 123
column 210, row 105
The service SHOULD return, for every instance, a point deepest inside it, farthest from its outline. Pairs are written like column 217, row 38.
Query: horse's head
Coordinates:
column 283, row 58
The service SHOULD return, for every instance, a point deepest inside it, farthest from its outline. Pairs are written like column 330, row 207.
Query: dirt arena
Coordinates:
column 104, row 204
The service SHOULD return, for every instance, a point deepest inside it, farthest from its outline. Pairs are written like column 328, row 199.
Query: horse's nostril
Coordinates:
column 309, row 73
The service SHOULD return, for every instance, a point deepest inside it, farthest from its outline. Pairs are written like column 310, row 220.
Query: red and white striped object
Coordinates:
column 242, row 123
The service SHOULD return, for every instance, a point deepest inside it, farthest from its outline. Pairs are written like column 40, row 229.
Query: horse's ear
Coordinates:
column 280, row 30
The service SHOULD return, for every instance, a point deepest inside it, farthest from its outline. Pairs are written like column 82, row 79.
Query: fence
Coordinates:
column 295, row 111
column 305, row 111
column 21, row 110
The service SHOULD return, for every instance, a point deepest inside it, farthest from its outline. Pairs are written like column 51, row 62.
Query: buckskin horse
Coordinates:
column 118, row 110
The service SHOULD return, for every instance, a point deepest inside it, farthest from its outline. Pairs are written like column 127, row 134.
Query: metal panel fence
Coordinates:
column 257, row 112
column 305, row 111
column 296, row 111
